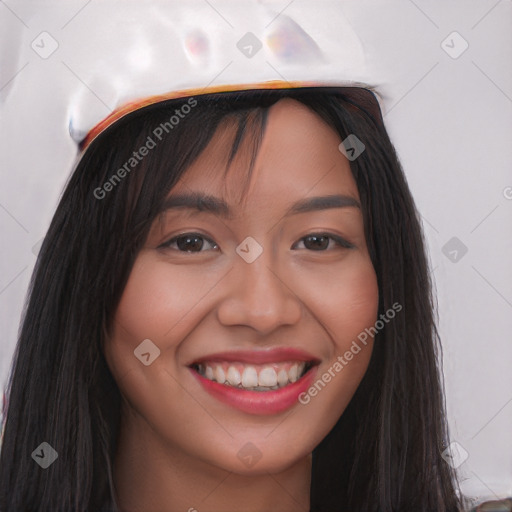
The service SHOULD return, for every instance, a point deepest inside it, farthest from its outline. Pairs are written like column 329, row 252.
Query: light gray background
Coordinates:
column 450, row 120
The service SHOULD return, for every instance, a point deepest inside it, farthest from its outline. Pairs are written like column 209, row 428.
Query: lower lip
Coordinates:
column 258, row 402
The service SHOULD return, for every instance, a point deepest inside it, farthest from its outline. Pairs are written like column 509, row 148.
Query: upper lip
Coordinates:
column 274, row 355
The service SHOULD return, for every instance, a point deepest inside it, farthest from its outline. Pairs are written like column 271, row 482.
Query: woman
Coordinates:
column 231, row 311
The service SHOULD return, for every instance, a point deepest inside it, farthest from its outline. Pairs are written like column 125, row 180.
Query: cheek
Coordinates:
column 162, row 303
column 357, row 303
column 343, row 299
column 160, row 300
column 344, row 306
column 349, row 305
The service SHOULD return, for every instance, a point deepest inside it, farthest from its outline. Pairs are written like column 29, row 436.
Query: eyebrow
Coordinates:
column 211, row 204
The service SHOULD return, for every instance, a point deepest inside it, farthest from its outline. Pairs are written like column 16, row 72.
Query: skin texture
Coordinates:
column 178, row 445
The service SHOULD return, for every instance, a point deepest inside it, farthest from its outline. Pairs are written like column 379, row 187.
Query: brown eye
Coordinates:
column 189, row 242
column 324, row 241
column 316, row 243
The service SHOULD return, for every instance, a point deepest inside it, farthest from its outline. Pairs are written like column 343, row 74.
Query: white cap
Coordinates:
column 140, row 52
column 155, row 48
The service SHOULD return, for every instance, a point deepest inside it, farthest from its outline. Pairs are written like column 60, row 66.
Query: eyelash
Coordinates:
column 341, row 242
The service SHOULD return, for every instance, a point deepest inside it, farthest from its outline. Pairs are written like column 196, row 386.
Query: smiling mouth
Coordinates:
column 253, row 377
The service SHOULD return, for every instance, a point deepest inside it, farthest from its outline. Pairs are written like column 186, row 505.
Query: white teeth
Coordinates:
column 282, row 378
column 267, row 377
column 219, row 374
column 233, row 376
column 250, row 377
column 293, row 373
column 300, row 370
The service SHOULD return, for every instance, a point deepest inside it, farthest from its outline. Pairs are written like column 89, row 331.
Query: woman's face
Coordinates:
column 281, row 285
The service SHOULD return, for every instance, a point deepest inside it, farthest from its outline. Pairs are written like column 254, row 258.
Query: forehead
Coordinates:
column 298, row 156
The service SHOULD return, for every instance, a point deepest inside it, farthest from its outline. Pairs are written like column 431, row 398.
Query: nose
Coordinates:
column 258, row 297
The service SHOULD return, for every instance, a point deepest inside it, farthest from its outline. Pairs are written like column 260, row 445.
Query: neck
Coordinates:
column 150, row 476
